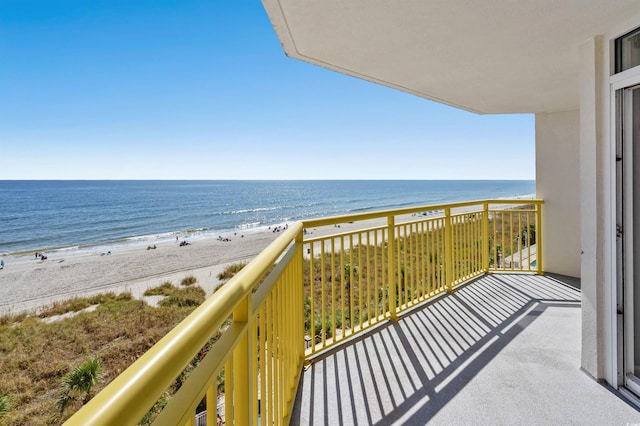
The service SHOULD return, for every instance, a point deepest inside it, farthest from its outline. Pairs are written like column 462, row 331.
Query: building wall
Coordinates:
column 558, row 183
column 592, row 206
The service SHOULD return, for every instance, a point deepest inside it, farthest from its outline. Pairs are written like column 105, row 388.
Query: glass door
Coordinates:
column 628, row 230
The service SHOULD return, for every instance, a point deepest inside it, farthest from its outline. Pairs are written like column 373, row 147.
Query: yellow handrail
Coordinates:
column 359, row 217
column 130, row 395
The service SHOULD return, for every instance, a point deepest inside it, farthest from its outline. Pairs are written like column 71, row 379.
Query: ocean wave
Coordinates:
column 519, row 197
column 268, row 209
column 383, row 207
column 258, row 209
column 167, row 235
column 68, row 248
column 248, row 225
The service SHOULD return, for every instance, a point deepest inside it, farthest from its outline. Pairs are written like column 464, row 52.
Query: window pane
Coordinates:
column 628, row 51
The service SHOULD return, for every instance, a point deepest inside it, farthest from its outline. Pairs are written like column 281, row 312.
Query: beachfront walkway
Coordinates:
column 504, row 349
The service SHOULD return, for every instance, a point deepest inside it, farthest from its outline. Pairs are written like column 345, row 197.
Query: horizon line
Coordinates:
column 249, row 180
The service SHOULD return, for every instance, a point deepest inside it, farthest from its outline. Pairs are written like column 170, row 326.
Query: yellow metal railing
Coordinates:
column 259, row 355
column 356, row 278
column 310, row 289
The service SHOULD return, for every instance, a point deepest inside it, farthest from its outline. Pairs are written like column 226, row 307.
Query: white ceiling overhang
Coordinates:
column 486, row 56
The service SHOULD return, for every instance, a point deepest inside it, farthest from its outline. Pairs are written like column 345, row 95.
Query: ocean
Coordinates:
column 76, row 215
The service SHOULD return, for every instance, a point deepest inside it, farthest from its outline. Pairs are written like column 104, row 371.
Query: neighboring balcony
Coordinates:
column 434, row 313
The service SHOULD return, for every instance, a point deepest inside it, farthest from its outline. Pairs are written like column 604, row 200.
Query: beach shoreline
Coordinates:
column 27, row 284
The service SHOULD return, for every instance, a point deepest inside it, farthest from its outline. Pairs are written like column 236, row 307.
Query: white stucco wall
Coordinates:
column 593, row 205
column 558, row 183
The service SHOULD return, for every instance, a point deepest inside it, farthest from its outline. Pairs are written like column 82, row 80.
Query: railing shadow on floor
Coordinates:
column 410, row 369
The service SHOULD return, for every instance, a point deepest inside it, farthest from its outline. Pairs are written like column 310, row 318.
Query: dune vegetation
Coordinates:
column 40, row 352
column 55, row 360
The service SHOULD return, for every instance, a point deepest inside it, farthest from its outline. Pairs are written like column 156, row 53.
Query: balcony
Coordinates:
column 404, row 316
column 503, row 349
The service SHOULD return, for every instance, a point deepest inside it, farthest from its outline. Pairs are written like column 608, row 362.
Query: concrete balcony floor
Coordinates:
column 504, row 349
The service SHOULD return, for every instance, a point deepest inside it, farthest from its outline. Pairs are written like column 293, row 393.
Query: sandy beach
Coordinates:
column 27, row 283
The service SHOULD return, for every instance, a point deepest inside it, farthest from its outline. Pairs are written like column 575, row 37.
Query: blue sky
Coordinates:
column 203, row 90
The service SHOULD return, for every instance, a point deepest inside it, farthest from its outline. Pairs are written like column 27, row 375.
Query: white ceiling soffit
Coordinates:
column 486, row 56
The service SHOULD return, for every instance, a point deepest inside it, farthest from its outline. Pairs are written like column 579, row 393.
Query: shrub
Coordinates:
column 189, row 280
column 79, row 303
column 8, row 319
column 164, row 289
column 230, row 271
column 5, row 404
column 80, row 381
column 191, row 296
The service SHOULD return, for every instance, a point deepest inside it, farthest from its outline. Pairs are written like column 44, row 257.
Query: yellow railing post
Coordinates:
column 243, row 368
column 299, row 258
column 298, row 320
column 448, row 250
column 212, row 405
column 539, row 268
column 391, row 253
column 485, row 238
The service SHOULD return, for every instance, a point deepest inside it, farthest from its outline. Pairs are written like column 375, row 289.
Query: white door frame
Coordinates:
column 619, row 82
